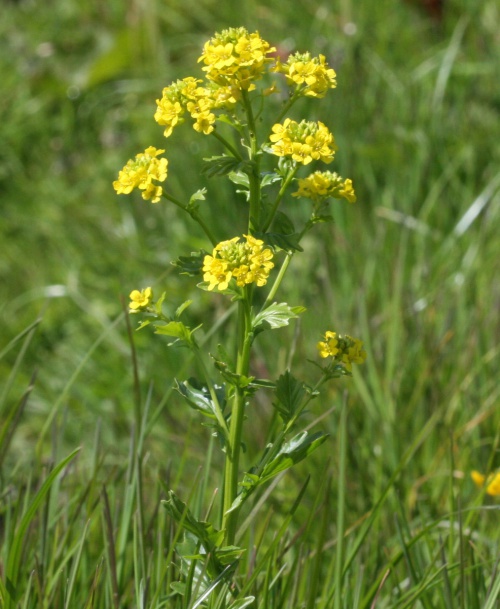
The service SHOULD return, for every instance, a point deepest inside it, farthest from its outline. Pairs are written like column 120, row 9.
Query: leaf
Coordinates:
column 281, row 241
column 237, row 380
column 143, row 324
column 239, row 177
column 190, row 265
column 218, row 166
column 159, row 303
column 204, row 532
column 290, row 393
column 282, row 224
column 176, row 329
column 199, row 398
column 292, row 452
column 276, row 316
column 199, row 195
column 268, row 178
column 242, row 602
column 181, row 308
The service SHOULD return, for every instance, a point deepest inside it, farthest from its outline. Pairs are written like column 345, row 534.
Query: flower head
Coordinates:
column 142, row 172
column 322, row 185
column 235, row 58
column 311, row 76
column 140, row 300
column 246, row 261
column 492, row 482
column 342, row 348
column 303, row 142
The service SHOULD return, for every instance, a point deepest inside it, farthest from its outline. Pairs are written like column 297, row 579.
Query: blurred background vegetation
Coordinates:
column 411, row 268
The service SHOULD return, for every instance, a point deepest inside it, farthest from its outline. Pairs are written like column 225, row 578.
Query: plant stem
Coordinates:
column 254, row 177
column 279, row 196
column 237, row 416
column 193, row 212
column 227, row 145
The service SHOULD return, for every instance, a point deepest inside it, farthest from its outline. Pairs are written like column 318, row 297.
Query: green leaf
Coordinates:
column 282, row 224
column 191, row 265
column 218, row 166
column 268, row 178
column 181, row 308
column 199, row 398
column 159, row 303
column 239, row 177
column 292, row 452
column 290, row 394
column 205, row 533
column 281, row 241
column 176, row 329
column 199, row 195
column 276, row 316
column 143, row 324
column 237, row 380
column 242, row 602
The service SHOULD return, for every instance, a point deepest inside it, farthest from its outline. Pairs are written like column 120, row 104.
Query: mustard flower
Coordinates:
column 311, row 76
column 342, row 348
column 325, row 184
column 329, row 348
column 142, row 172
column 234, row 57
column 492, row 482
column 303, row 142
column 140, row 300
column 245, row 261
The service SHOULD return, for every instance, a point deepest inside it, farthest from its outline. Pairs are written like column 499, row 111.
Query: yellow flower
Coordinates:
column 303, row 142
column 329, row 348
column 247, row 262
column 311, row 76
column 235, row 58
column 492, row 482
column 324, row 184
column 141, row 173
column 343, row 348
column 140, row 300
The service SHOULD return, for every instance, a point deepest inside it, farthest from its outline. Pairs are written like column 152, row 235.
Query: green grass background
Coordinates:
column 411, row 268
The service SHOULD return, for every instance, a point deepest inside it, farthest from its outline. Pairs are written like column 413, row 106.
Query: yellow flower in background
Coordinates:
column 247, row 262
column 303, row 142
column 343, row 348
column 141, row 173
column 140, row 300
column 324, row 184
column 492, row 482
column 311, row 75
column 234, row 57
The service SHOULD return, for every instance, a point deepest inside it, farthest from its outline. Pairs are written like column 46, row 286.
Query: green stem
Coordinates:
column 230, row 520
column 288, row 105
column 279, row 196
column 227, row 145
column 254, row 176
column 195, row 215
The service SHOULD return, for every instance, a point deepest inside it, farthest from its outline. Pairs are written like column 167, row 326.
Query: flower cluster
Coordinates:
column 342, row 348
column 492, row 482
column 311, row 76
column 142, row 172
column 303, row 142
column 246, row 261
column 236, row 58
column 322, row 185
column 140, row 300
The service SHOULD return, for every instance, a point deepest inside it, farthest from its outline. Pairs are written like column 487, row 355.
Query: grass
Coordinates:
column 386, row 515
